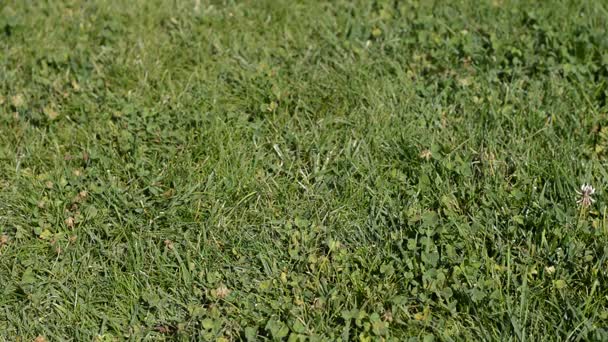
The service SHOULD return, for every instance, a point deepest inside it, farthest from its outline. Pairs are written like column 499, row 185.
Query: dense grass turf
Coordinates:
column 264, row 170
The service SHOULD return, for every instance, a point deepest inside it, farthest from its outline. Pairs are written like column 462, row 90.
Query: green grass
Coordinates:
column 303, row 170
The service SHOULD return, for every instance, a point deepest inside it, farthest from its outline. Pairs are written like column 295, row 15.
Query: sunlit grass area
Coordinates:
column 303, row 170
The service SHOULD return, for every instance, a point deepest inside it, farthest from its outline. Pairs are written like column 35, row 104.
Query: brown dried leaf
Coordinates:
column 221, row 292
column 169, row 193
column 426, row 154
column 164, row 329
column 387, row 316
column 75, row 85
column 18, row 101
column 50, row 112
column 83, row 195
column 318, row 304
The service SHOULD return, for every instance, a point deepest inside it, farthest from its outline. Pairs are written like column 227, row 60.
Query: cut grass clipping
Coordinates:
column 303, row 170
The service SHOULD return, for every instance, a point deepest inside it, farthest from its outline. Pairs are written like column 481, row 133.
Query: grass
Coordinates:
column 303, row 170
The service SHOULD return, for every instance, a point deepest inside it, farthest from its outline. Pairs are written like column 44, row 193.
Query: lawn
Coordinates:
column 218, row 170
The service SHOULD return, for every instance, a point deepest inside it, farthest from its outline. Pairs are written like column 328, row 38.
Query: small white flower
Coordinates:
column 586, row 191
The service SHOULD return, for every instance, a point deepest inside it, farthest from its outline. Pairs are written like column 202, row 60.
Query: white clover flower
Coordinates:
column 586, row 191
